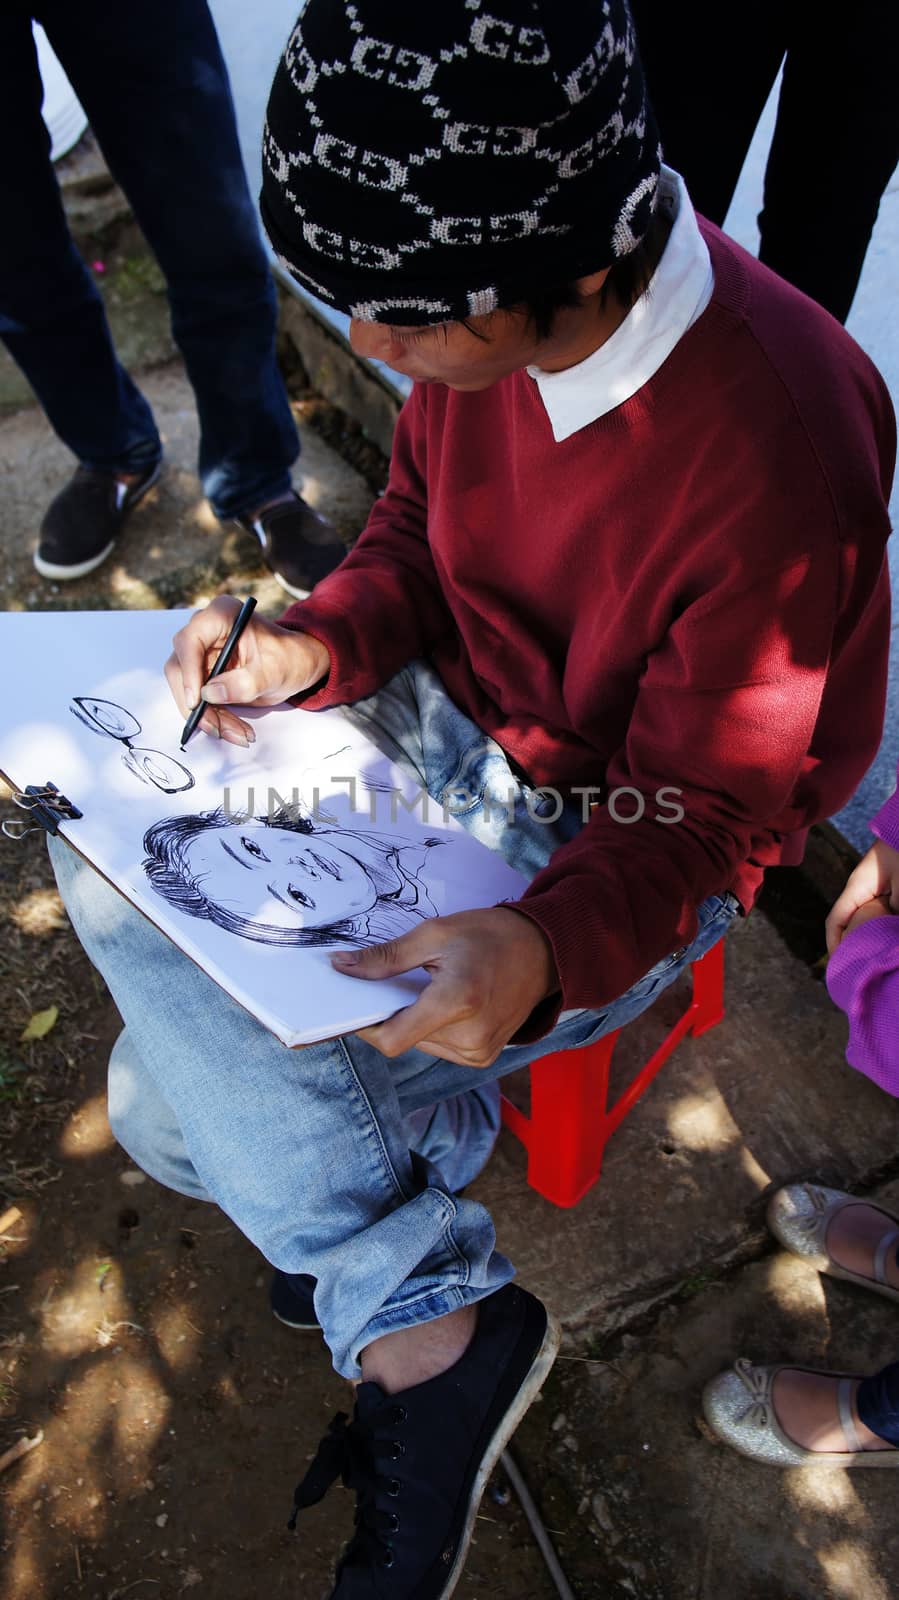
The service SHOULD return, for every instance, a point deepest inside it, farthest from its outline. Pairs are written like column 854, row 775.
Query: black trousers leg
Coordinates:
column 835, row 147
column 709, row 68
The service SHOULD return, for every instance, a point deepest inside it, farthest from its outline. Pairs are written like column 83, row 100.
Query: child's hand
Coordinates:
column 269, row 665
column 868, row 913
column 874, row 883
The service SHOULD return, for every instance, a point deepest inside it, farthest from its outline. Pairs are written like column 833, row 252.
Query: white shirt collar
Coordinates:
column 679, row 292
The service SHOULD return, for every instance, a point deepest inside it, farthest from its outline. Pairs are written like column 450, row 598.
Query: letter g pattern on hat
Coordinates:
column 423, row 163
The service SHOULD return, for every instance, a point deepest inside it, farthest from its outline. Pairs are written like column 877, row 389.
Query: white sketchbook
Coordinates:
column 258, row 863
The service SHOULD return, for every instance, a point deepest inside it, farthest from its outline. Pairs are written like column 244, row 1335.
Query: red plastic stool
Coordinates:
column 570, row 1122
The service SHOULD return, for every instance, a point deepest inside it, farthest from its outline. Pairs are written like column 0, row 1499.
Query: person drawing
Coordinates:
column 280, row 880
column 633, row 535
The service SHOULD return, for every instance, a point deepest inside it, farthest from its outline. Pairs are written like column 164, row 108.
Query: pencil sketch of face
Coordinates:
column 282, row 879
column 151, row 766
column 287, row 880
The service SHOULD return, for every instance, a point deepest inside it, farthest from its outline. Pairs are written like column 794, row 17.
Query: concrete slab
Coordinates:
column 357, row 387
column 762, row 1098
column 678, row 1516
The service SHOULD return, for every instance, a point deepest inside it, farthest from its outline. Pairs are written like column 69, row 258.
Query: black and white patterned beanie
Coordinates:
column 430, row 160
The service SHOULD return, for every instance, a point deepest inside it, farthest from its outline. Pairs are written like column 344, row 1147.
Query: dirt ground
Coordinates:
column 135, row 1334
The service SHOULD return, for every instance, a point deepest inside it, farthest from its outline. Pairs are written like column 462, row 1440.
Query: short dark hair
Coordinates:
column 628, row 278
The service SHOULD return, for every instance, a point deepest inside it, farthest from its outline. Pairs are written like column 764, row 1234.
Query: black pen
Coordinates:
column 240, row 622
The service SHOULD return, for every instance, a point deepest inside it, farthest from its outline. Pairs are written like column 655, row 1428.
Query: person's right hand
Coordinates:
column 268, row 666
column 875, row 878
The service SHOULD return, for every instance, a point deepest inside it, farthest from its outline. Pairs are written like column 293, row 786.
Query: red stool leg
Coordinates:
column 708, row 990
column 571, row 1121
column 567, row 1128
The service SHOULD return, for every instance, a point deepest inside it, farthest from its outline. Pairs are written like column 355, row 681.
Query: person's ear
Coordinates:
column 592, row 283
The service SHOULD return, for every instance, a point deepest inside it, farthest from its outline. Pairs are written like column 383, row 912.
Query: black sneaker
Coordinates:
column 419, row 1460
column 81, row 525
column 290, row 1297
column 298, row 544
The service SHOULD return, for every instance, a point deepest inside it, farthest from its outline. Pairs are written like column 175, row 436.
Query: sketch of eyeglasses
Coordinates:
column 151, row 766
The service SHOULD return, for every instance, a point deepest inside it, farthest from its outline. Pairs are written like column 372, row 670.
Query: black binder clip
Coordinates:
column 46, row 808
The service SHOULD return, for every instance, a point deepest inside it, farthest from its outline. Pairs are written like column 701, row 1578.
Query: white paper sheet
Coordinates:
column 85, row 706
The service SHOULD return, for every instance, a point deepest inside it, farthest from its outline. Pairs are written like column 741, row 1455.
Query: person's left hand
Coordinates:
column 875, row 881
column 488, row 971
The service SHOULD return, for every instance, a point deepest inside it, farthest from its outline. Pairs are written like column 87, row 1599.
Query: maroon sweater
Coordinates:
column 690, row 591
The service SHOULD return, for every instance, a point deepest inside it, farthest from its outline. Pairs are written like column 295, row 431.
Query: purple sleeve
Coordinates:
column 863, row 980
column 886, row 823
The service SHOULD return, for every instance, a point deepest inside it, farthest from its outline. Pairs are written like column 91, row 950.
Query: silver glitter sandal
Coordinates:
column 799, row 1216
column 739, row 1409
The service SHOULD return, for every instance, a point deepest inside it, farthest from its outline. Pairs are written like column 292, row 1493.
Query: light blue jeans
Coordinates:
column 334, row 1160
